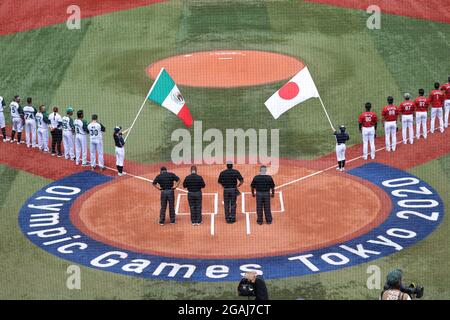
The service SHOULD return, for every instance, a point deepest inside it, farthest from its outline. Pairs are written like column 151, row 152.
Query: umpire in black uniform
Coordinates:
column 194, row 184
column 231, row 180
column 166, row 180
column 265, row 189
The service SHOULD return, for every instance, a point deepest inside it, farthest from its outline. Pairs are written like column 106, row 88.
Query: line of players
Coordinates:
column 438, row 99
column 64, row 130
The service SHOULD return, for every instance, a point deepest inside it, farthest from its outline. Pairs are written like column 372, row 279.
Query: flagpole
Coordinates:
column 137, row 116
column 326, row 113
column 143, row 104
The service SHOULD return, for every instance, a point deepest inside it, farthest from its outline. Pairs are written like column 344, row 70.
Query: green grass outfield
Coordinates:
column 101, row 68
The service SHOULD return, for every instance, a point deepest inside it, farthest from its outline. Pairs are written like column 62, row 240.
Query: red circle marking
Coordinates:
column 289, row 91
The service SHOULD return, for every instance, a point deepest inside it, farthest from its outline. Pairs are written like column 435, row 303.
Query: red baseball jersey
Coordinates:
column 368, row 119
column 437, row 98
column 422, row 103
column 390, row 113
column 407, row 107
column 446, row 89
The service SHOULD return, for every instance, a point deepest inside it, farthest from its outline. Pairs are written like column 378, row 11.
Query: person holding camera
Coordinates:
column 253, row 286
column 394, row 289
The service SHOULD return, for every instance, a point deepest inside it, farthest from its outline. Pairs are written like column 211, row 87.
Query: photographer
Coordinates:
column 253, row 286
column 394, row 289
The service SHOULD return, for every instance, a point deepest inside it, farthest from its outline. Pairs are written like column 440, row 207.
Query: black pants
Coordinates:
column 229, row 200
column 263, row 204
column 195, row 204
column 167, row 196
column 56, row 141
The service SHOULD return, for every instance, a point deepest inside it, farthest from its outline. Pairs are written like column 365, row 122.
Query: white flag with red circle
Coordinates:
column 299, row 89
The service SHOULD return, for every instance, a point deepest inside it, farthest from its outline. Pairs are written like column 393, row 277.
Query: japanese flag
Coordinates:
column 299, row 89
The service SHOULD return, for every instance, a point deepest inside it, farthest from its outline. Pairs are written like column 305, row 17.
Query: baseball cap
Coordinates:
column 394, row 277
column 117, row 128
column 69, row 109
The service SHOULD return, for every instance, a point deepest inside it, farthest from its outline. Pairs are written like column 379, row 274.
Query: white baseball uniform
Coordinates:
column 407, row 127
column 17, row 123
column 2, row 116
column 390, row 135
column 42, row 131
column 447, row 112
column 80, row 141
column 68, row 137
column 96, row 143
column 436, row 112
column 30, row 125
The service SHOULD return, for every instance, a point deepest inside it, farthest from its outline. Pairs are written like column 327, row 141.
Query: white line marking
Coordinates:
column 212, row 224
column 226, row 58
column 332, row 167
column 247, row 222
column 281, row 202
column 177, row 207
column 273, row 211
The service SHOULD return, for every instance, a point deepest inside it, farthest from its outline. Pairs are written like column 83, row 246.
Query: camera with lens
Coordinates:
column 246, row 288
column 413, row 290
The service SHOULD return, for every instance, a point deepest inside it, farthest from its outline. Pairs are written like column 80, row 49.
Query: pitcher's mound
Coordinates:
column 228, row 68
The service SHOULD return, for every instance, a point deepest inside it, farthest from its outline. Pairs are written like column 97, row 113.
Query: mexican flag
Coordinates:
column 166, row 93
column 299, row 89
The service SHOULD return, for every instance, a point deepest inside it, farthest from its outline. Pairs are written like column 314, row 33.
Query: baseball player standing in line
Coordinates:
column 56, row 131
column 437, row 102
column 390, row 115
column 42, row 122
column 95, row 130
column 2, row 119
column 368, row 121
column 341, row 138
column 68, row 135
column 407, row 109
column 446, row 89
column 120, row 149
column 17, row 119
column 81, row 130
column 421, row 105
column 30, row 123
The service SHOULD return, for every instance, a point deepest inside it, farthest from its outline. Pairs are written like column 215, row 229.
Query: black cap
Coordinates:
column 163, row 169
column 368, row 105
column 94, row 117
column 390, row 100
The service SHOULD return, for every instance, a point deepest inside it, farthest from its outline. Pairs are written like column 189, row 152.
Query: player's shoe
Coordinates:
column 22, row 142
column 59, row 155
column 342, row 169
column 53, row 154
column 28, row 146
column 364, row 158
column 85, row 165
column 72, row 159
column 92, row 168
column 6, row 139
column 338, row 169
column 103, row 168
column 34, row 146
column 12, row 141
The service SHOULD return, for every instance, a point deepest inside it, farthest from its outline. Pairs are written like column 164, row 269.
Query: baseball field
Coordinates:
column 330, row 229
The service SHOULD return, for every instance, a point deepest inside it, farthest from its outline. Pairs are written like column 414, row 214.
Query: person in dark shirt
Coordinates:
column 166, row 180
column 265, row 189
column 194, row 183
column 119, row 142
column 231, row 180
column 259, row 285
column 341, row 138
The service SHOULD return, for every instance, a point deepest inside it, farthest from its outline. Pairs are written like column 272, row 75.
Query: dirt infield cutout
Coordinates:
column 124, row 213
column 228, row 68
